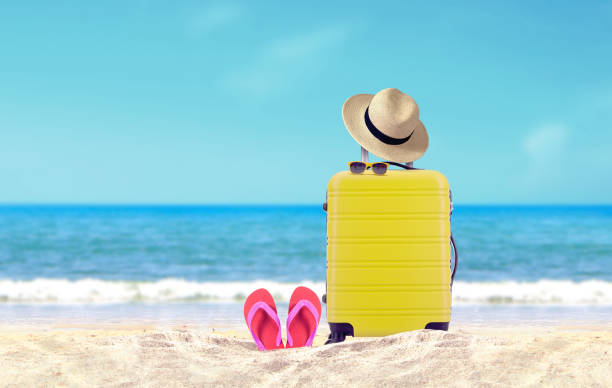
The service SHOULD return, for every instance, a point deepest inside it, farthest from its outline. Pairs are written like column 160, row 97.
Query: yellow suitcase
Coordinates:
column 388, row 253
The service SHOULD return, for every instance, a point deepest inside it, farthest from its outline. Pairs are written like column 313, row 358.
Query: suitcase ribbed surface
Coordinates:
column 388, row 251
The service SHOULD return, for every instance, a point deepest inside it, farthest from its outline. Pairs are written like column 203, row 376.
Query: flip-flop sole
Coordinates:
column 304, row 323
column 262, row 325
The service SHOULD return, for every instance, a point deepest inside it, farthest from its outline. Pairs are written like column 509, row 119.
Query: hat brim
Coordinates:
column 353, row 113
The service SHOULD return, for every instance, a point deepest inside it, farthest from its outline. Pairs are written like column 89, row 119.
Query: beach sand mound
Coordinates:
column 185, row 357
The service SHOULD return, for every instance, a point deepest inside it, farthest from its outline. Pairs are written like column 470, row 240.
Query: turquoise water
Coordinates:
column 116, row 254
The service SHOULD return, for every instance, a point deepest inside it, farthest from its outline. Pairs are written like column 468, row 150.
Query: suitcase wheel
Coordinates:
column 339, row 331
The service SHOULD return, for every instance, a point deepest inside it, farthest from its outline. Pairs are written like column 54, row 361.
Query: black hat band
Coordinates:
column 381, row 136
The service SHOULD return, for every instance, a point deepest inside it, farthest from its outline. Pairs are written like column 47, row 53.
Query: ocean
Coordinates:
column 110, row 261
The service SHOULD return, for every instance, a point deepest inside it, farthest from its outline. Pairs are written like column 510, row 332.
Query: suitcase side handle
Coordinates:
column 456, row 259
column 325, row 203
column 452, row 240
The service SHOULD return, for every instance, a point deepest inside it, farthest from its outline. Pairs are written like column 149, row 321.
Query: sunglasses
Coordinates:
column 379, row 168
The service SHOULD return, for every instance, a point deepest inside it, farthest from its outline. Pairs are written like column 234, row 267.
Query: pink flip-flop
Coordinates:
column 303, row 319
column 262, row 319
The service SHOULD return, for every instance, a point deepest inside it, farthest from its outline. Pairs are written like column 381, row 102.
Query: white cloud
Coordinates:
column 305, row 45
column 547, row 152
column 546, row 141
column 282, row 63
column 215, row 16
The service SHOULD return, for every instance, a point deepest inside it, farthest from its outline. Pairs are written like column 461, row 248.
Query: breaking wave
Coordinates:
column 97, row 291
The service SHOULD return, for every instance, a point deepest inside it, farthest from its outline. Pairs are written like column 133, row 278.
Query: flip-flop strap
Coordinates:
column 265, row 307
column 294, row 312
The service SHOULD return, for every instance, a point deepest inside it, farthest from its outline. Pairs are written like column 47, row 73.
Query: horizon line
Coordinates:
column 262, row 204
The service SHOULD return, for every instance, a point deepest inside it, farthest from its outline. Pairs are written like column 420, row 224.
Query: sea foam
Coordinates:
column 97, row 291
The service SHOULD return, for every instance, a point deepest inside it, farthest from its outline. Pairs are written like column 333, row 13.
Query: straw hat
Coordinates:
column 386, row 124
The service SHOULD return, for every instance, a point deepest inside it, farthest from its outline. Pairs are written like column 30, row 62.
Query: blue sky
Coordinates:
column 223, row 102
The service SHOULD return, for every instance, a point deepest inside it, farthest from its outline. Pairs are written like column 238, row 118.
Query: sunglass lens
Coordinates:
column 358, row 167
column 379, row 168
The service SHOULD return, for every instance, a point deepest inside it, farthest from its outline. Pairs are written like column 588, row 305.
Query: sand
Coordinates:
column 186, row 356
